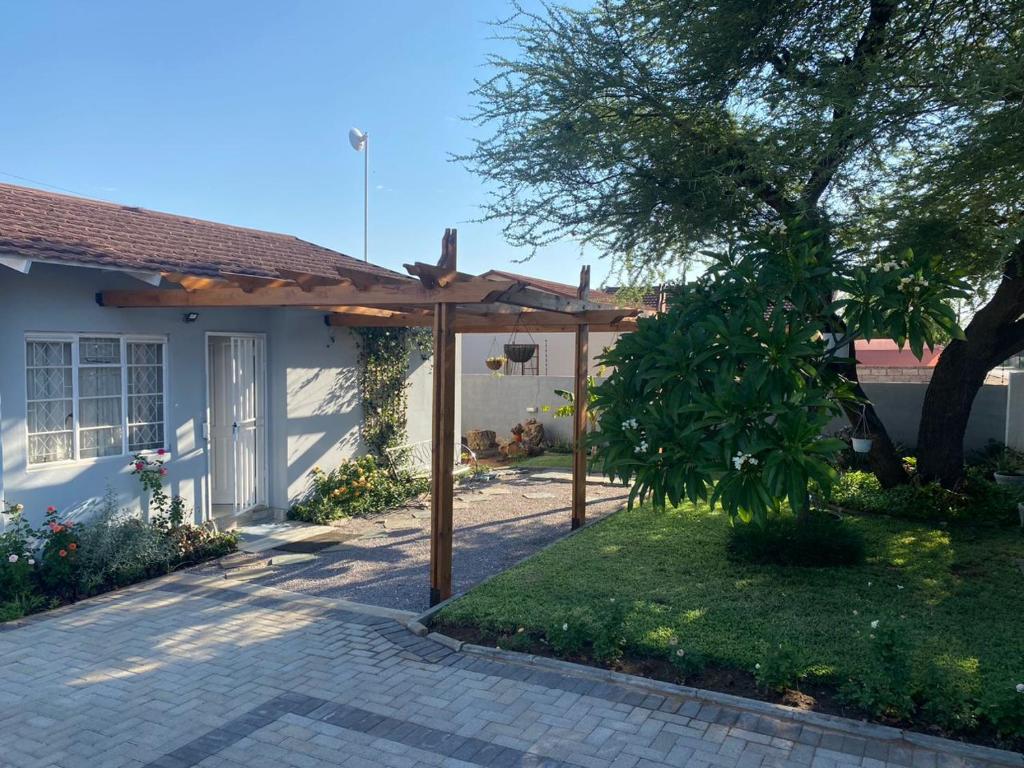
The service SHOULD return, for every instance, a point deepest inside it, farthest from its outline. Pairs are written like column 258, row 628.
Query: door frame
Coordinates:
column 262, row 463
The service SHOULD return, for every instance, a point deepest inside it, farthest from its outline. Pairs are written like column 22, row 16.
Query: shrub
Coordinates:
column 17, row 559
column 687, row 663
column 886, row 691
column 1004, row 710
column 978, row 501
column 779, row 668
column 59, row 556
column 195, row 543
column 355, row 488
column 570, row 636
column 818, row 540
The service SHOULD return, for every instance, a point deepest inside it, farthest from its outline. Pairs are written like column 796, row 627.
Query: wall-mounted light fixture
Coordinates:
column 190, row 317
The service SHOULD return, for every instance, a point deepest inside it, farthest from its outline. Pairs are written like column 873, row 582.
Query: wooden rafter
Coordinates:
column 377, row 295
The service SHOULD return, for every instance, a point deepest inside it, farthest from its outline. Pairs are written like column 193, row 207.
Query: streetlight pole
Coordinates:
column 360, row 141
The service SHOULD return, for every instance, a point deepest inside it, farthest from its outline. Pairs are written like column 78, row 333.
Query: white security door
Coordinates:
column 236, row 422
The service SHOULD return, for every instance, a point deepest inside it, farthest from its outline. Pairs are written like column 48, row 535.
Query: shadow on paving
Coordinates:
column 491, row 534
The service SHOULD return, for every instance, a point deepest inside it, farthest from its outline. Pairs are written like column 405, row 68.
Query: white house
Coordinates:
column 246, row 400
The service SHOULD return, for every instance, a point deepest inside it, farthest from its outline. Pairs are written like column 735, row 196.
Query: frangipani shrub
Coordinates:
column 725, row 396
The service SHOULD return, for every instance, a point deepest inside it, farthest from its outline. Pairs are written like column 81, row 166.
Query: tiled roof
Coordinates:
column 43, row 225
column 561, row 289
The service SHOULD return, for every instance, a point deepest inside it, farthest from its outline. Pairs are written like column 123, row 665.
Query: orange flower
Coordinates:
column 72, row 546
column 63, row 553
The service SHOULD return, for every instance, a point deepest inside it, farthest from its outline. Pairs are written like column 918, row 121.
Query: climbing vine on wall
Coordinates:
column 383, row 381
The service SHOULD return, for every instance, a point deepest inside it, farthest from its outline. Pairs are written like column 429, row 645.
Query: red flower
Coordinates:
column 51, row 510
column 63, row 553
column 72, row 546
column 56, row 527
column 160, row 452
column 140, row 465
column 163, row 471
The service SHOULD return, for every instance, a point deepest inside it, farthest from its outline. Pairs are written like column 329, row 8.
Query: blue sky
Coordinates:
column 238, row 111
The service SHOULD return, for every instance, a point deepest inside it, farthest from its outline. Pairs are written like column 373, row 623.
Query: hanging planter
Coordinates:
column 520, row 353
column 495, row 363
column 861, row 439
column 861, row 444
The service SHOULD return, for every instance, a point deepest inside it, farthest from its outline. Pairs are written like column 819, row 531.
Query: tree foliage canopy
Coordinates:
column 722, row 395
column 649, row 127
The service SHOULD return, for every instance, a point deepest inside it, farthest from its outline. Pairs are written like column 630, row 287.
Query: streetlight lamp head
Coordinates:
column 357, row 139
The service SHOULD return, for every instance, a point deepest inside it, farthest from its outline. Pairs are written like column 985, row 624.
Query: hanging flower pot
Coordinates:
column 861, row 444
column 520, row 353
column 495, row 363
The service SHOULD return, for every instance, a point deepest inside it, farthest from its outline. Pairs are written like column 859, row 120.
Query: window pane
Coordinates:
column 141, row 353
column 50, row 416
column 99, row 442
column 44, row 448
column 145, row 409
column 145, row 380
column 145, row 437
column 49, row 353
column 99, row 350
column 99, row 382
column 49, row 383
column 99, row 412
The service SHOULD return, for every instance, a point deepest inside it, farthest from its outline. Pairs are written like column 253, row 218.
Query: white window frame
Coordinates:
column 73, row 339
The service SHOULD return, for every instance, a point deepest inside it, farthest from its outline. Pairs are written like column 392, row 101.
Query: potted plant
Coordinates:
column 495, row 362
column 1009, row 468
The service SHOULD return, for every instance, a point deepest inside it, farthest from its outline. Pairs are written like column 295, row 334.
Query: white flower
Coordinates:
column 12, row 559
column 742, row 459
column 757, row 666
column 855, row 612
column 874, row 624
column 899, row 586
column 642, row 448
column 31, row 561
column 673, row 641
column 680, row 652
column 1020, row 687
column 565, row 627
column 18, row 508
column 869, row 583
column 630, row 424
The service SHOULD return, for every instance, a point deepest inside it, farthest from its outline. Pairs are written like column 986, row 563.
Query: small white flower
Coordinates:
column 12, row 559
column 752, row 461
column 757, row 666
column 680, row 652
column 18, row 507
column 642, row 448
column 673, row 641
column 899, row 586
column 855, row 612
column 874, row 624
column 1020, row 687
column 869, row 583
column 31, row 561
column 565, row 627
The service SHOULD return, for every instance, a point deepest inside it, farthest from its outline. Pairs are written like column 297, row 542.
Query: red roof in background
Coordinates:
column 43, row 225
column 884, row 353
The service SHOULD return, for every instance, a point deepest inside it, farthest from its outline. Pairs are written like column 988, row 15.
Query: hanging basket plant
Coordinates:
column 862, row 439
column 495, row 362
column 520, row 353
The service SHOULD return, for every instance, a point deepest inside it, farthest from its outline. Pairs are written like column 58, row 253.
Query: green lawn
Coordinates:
column 954, row 596
column 547, row 461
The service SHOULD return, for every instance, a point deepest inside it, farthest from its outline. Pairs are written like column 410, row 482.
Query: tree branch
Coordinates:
column 871, row 40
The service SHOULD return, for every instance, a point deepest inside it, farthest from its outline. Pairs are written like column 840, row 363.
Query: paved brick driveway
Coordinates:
column 197, row 672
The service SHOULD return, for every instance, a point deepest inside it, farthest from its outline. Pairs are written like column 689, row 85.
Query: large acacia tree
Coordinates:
column 651, row 128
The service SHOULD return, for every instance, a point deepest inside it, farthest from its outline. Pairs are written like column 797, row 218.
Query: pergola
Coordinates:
column 434, row 295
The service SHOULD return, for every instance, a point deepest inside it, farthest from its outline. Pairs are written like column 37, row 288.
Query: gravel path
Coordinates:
column 497, row 523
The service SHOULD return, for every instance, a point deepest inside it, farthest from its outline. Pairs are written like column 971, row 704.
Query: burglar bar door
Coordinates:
column 236, row 422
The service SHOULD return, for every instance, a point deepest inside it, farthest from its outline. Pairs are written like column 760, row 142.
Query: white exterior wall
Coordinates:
column 313, row 410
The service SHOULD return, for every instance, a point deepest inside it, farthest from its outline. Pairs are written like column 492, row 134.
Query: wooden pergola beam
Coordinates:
column 581, row 397
column 379, row 295
column 475, row 322
column 443, row 433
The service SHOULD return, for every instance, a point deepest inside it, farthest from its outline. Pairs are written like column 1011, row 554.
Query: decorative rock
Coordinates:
column 482, row 442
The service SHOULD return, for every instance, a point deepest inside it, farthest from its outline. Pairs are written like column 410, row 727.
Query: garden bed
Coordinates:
column 945, row 655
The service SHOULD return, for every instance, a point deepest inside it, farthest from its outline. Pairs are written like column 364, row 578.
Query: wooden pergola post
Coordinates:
column 443, row 433
column 581, row 399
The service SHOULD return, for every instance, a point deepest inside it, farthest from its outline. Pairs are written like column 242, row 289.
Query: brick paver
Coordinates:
column 189, row 672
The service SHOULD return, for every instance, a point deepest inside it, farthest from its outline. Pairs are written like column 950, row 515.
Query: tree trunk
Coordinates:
column 995, row 333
